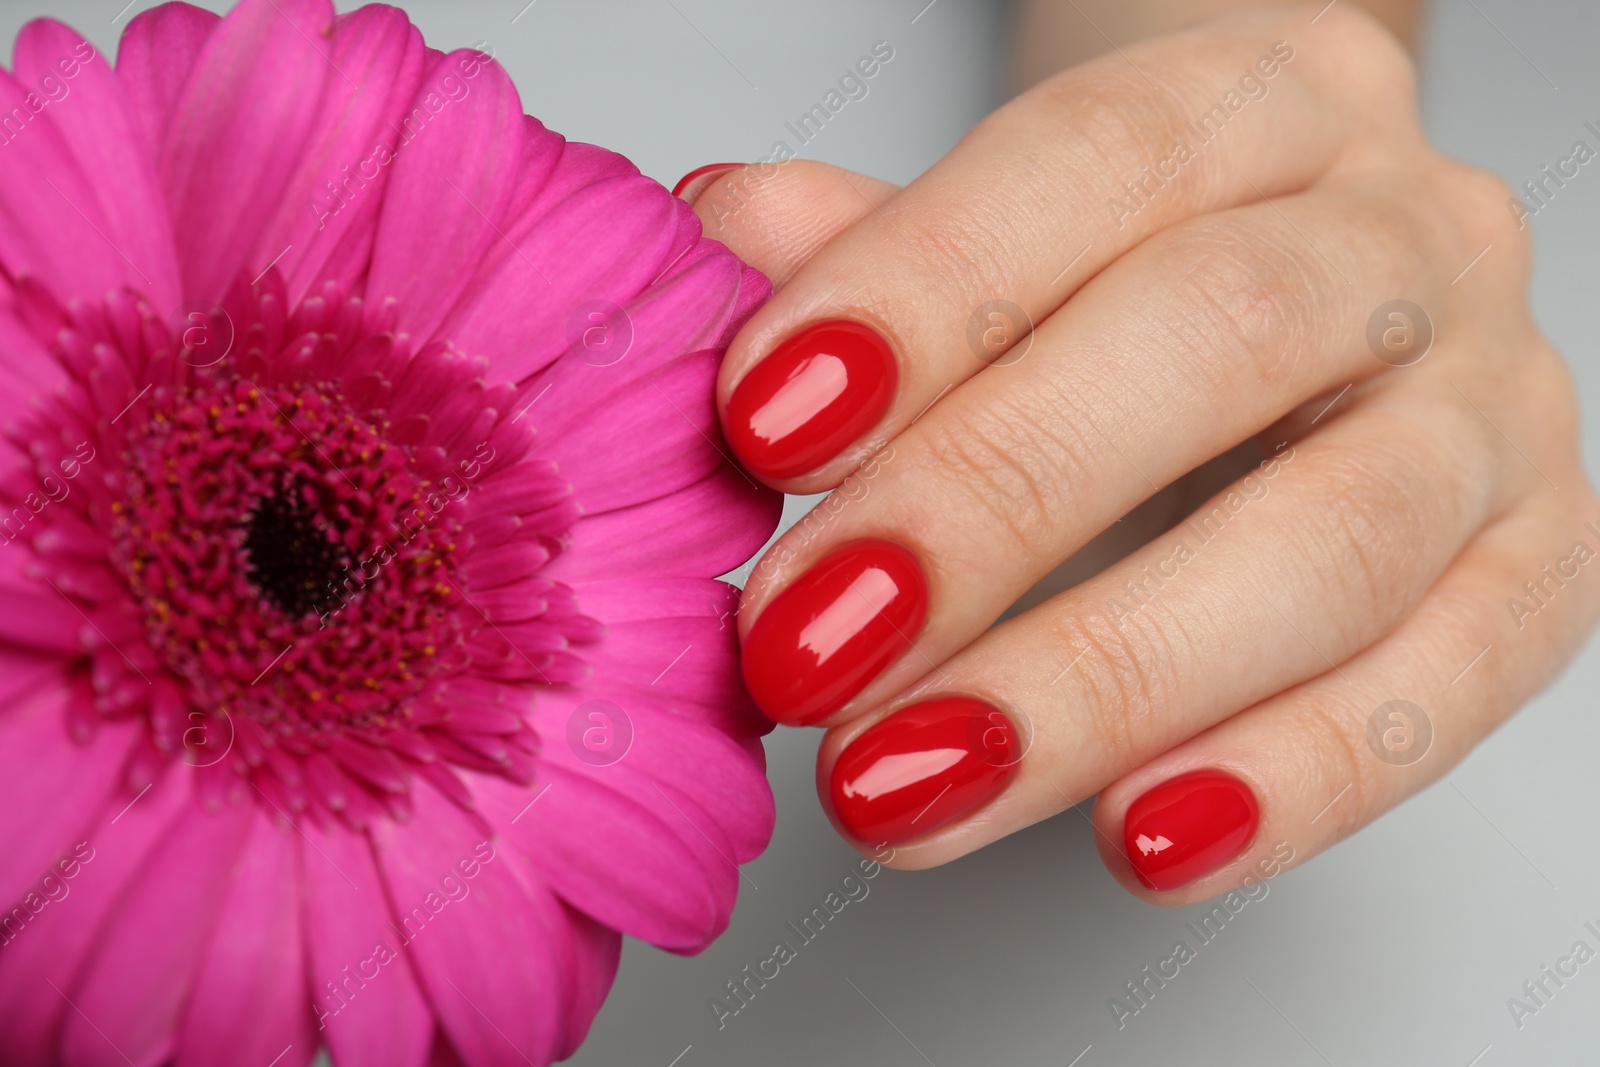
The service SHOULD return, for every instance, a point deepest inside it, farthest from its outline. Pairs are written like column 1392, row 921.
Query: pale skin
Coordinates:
column 1374, row 560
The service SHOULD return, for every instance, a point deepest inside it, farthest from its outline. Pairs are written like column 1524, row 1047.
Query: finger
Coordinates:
column 1030, row 205
column 1198, row 339
column 775, row 216
column 1298, row 567
column 1329, row 757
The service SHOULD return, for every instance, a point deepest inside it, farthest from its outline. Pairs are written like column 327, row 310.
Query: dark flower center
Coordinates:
column 293, row 558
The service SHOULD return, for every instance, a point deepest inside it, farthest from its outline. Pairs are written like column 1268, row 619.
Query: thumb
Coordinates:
column 775, row 216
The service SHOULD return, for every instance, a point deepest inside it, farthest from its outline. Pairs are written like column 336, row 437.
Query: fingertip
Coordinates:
column 697, row 181
column 926, row 766
column 776, row 216
column 827, row 635
column 817, row 392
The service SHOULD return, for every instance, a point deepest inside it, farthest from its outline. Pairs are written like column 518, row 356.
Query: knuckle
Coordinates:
column 1482, row 206
column 1241, row 296
column 1371, row 521
column 1110, row 110
column 1121, row 670
column 1012, row 467
column 1547, row 404
column 1114, row 124
column 1370, row 57
column 1335, row 754
column 960, row 251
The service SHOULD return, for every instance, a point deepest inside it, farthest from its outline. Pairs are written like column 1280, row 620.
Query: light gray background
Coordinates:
column 1401, row 945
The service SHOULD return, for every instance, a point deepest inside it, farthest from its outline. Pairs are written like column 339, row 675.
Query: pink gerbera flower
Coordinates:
column 362, row 668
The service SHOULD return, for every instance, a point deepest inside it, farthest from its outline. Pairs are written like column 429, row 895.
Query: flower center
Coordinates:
column 314, row 564
column 288, row 562
column 293, row 559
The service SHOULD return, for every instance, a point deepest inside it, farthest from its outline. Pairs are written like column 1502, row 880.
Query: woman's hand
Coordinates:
column 1236, row 235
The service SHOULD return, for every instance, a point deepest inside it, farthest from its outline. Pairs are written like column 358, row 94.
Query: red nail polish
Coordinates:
column 1189, row 826
column 820, row 641
column 701, row 172
column 923, row 767
column 818, row 391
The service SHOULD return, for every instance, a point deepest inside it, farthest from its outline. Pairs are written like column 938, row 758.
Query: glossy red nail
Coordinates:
column 923, row 767
column 820, row 641
column 1189, row 826
column 818, row 391
column 701, row 172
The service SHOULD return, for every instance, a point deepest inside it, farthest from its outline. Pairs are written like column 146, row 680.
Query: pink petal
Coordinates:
column 237, row 132
column 53, row 787
column 709, row 528
column 600, row 246
column 23, row 673
column 755, row 289
column 35, row 618
column 26, row 367
column 103, row 135
column 452, row 182
column 690, row 623
column 51, row 225
column 668, row 321
column 249, row 1003
column 661, row 435
column 136, row 980
column 605, row 854
column 158, row 50
column 341, row 179
column 586, row 952
column 443, row 1055
column 637, row 599
column 38, row 966
column 381, row 1022
column 716, row 853
column 491, row 959
column 542, row 151
column 580, row 165
column 598, row 950
column 672, row 751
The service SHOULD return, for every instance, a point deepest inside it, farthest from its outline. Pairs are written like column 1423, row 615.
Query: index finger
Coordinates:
column 946, row 275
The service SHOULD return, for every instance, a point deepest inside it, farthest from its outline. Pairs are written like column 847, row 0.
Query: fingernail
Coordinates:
column 710, row 170
column 923, row 767
column 1189, row 826
column 818, row 391
column 820, row 641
